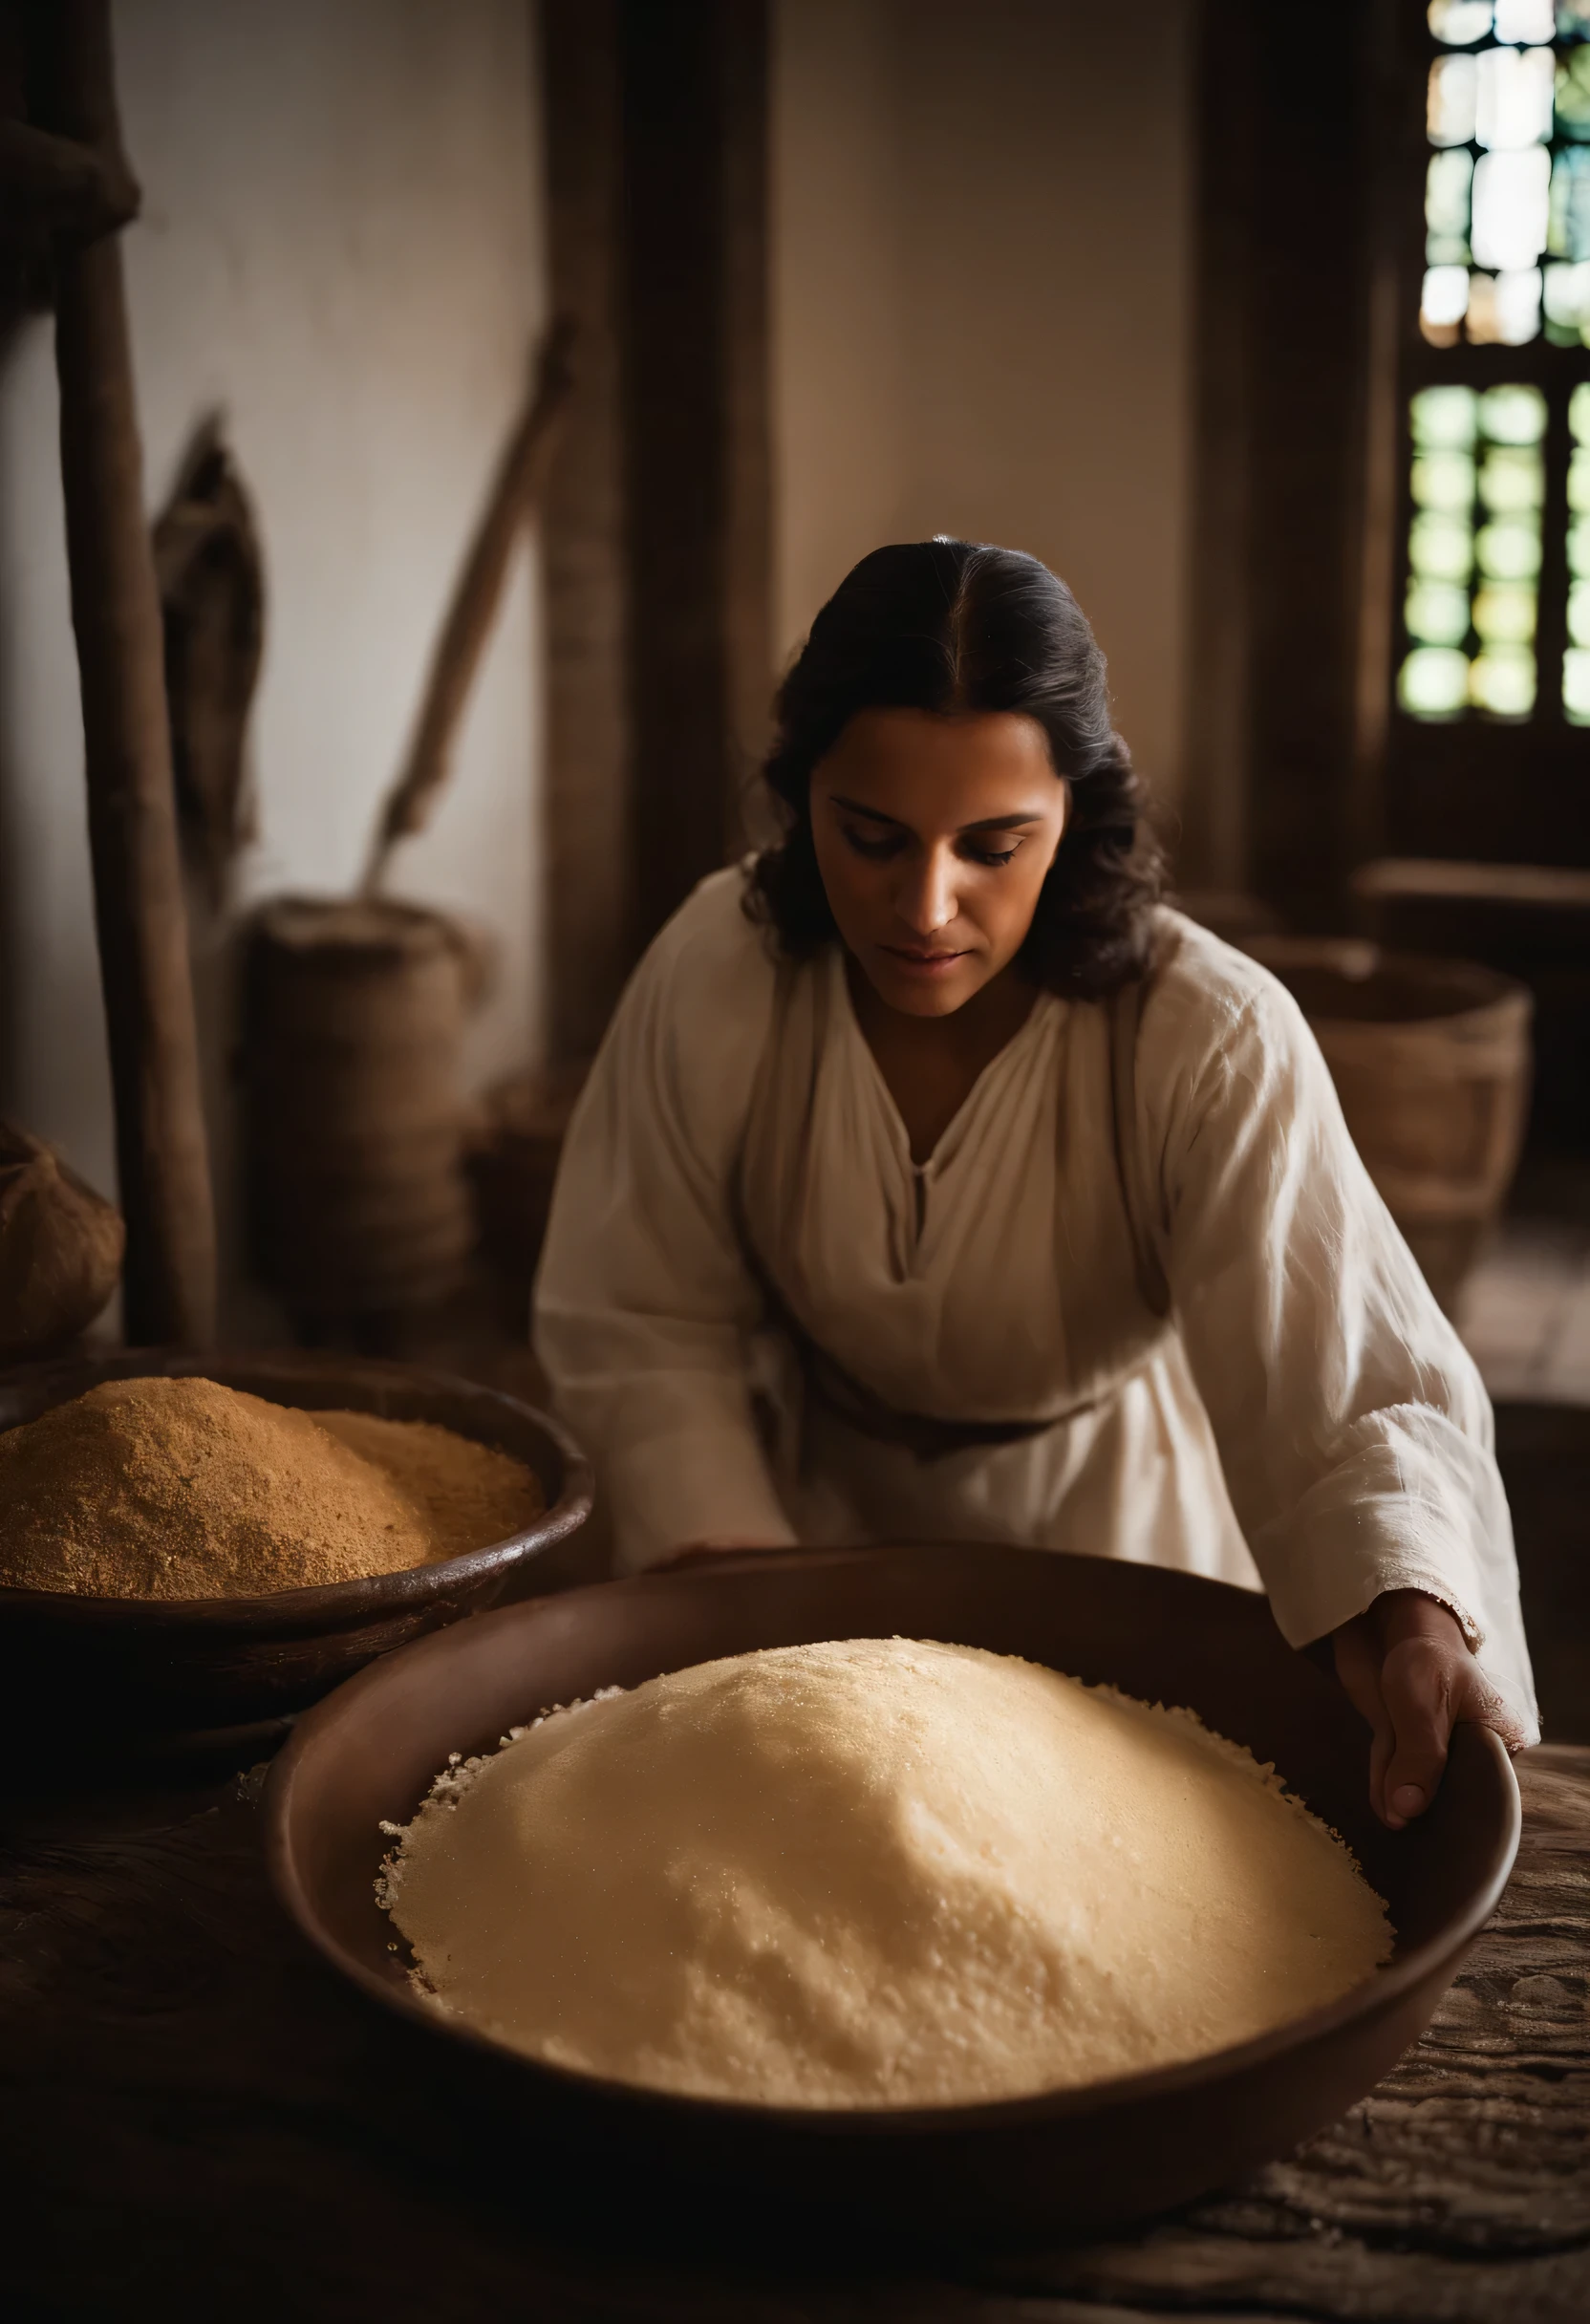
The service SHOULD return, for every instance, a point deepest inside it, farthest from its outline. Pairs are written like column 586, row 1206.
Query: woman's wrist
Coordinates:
column 1396, row 1616
column 1409, row 1670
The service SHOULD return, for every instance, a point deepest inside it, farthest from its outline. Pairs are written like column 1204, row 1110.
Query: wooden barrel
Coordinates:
column 354, row 1022
column 1431, row 1062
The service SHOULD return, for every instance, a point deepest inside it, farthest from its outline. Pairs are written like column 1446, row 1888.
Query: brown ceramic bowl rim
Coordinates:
column 325, row 1602
column 1377, row 1992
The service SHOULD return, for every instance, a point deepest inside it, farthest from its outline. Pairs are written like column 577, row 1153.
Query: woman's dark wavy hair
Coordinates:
column 952, row 625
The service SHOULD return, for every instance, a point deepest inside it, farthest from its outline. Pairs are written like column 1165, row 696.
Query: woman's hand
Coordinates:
column 1407, row 1668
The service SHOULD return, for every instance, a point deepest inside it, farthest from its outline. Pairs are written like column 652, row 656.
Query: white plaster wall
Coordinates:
column 981, row 307
column 341, row 249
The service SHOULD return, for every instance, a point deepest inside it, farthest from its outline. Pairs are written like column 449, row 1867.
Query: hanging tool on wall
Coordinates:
column 514, row 491
column 211, row 579
column 355, row 1007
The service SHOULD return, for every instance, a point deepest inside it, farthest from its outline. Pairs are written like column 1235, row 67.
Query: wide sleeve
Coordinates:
column 643, row 1305
column 1353, row 1429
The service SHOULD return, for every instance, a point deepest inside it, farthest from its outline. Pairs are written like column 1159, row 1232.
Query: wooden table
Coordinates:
column 197, row 2120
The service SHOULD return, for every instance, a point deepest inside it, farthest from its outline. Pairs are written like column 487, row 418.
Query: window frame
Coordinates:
column 1477, row 786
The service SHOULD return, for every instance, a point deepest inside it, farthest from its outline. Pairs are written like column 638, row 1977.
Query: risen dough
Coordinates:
column 875, row 1873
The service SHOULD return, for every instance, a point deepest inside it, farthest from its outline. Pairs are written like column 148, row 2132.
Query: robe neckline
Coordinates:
column 1041, row 1021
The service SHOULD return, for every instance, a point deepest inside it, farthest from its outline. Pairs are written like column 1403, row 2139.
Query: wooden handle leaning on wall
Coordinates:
column 141, row 915
column 518, row 481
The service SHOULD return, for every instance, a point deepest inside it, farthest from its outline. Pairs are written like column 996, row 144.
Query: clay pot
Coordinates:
column 60, row 1249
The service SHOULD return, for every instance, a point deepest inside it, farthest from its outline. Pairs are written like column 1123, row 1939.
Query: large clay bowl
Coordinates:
column 174, row 1674
column 1079, row 2158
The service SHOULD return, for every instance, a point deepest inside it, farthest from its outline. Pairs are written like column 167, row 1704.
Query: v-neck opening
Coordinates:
column 920, row 1172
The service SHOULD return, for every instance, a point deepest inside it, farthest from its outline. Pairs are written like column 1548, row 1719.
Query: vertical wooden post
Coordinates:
column 695, row 102
column 1213, row 846
column 657, row 533
column 142, row 920
column 583, row 536
column 1280, row 365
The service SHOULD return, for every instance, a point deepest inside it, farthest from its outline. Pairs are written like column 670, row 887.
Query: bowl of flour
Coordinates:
column 968, row 1889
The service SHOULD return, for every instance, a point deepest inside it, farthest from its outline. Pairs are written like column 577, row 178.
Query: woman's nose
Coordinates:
column 926, row 898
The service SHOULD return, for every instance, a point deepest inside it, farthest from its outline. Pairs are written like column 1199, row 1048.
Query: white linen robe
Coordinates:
column 1308, row 1422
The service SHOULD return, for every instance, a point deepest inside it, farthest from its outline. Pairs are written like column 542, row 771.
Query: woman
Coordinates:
column 935, row 1182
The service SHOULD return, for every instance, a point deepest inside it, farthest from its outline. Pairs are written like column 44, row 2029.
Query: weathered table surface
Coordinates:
column 196, row 2120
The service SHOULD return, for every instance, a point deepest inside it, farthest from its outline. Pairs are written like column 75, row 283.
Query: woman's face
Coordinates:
column 934, row 835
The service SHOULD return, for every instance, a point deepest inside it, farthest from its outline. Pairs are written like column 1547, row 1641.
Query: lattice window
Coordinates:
column 1499, row 538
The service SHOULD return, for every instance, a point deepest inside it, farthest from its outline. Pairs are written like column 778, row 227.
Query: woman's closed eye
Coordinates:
column 878, row 845
column 992, row 855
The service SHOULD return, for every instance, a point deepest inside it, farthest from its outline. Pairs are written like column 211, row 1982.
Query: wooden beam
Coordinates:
column 141, row 915
column 1281, row 744
column 657, row 536
column 583, row 540
column 1308, row 351
column 1213, row 851
column 693, row 92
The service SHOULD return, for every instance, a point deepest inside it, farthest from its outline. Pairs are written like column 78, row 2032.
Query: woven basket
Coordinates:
column 354, row 1022
column 1431, row 1061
